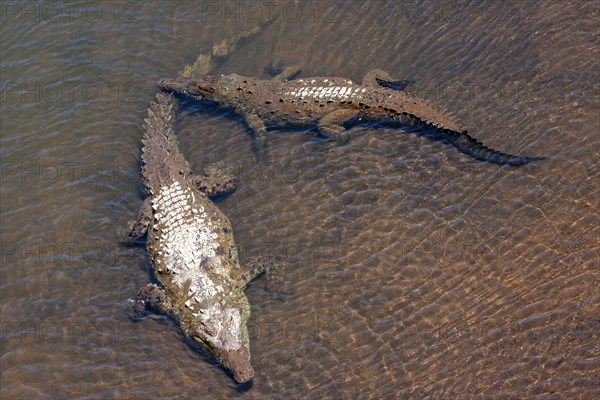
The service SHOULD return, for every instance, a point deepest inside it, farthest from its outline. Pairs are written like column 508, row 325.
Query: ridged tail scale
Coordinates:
column 417, row 110
column 163, row 162
column 468, row 145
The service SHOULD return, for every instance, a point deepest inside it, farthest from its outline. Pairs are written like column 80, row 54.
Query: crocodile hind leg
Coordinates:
column 258, row 266
column 378, row 77
column 153, row 297
column 330, row 126
column 140, row 226
column 217, row 181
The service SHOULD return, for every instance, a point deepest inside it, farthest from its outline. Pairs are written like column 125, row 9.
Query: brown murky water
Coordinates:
column 412, row 271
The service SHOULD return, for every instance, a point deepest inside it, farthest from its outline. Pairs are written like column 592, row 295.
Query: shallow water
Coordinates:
column 412, row 270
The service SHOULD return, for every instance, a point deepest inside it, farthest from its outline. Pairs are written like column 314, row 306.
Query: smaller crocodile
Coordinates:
column 192, row 249
column 330, row 103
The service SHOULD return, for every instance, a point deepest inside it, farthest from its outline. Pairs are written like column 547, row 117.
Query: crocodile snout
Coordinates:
column 243, row 375
column 169, row 84
column 189, row 87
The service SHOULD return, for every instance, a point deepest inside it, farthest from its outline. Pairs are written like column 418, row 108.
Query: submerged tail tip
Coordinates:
column 522, row 160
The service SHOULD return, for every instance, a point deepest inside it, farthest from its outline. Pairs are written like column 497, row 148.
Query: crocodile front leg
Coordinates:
column 259, row 140
column 217, row 181
column 378, row 77
column 260, row 265
column 140, row 226
column 331, row 127
column 153, row 297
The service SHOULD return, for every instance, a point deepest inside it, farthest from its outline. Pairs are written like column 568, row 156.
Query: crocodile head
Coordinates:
column 238, row 362
column 224, row 331
column 181, row 86
column 212, row 87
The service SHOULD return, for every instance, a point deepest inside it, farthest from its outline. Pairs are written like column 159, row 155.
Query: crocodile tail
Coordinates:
column 162, row 160
column 470, row 146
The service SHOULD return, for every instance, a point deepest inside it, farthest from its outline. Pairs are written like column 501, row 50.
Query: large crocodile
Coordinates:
column 329, row 103
column 191, row 245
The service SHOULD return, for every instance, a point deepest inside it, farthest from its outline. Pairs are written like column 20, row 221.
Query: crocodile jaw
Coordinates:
column 243, row 375
column 237, row 361
column 182, row 86
column 195, row 88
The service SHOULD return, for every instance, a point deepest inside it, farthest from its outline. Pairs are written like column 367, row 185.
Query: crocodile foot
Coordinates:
column 396, row 85
column 378, row 77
